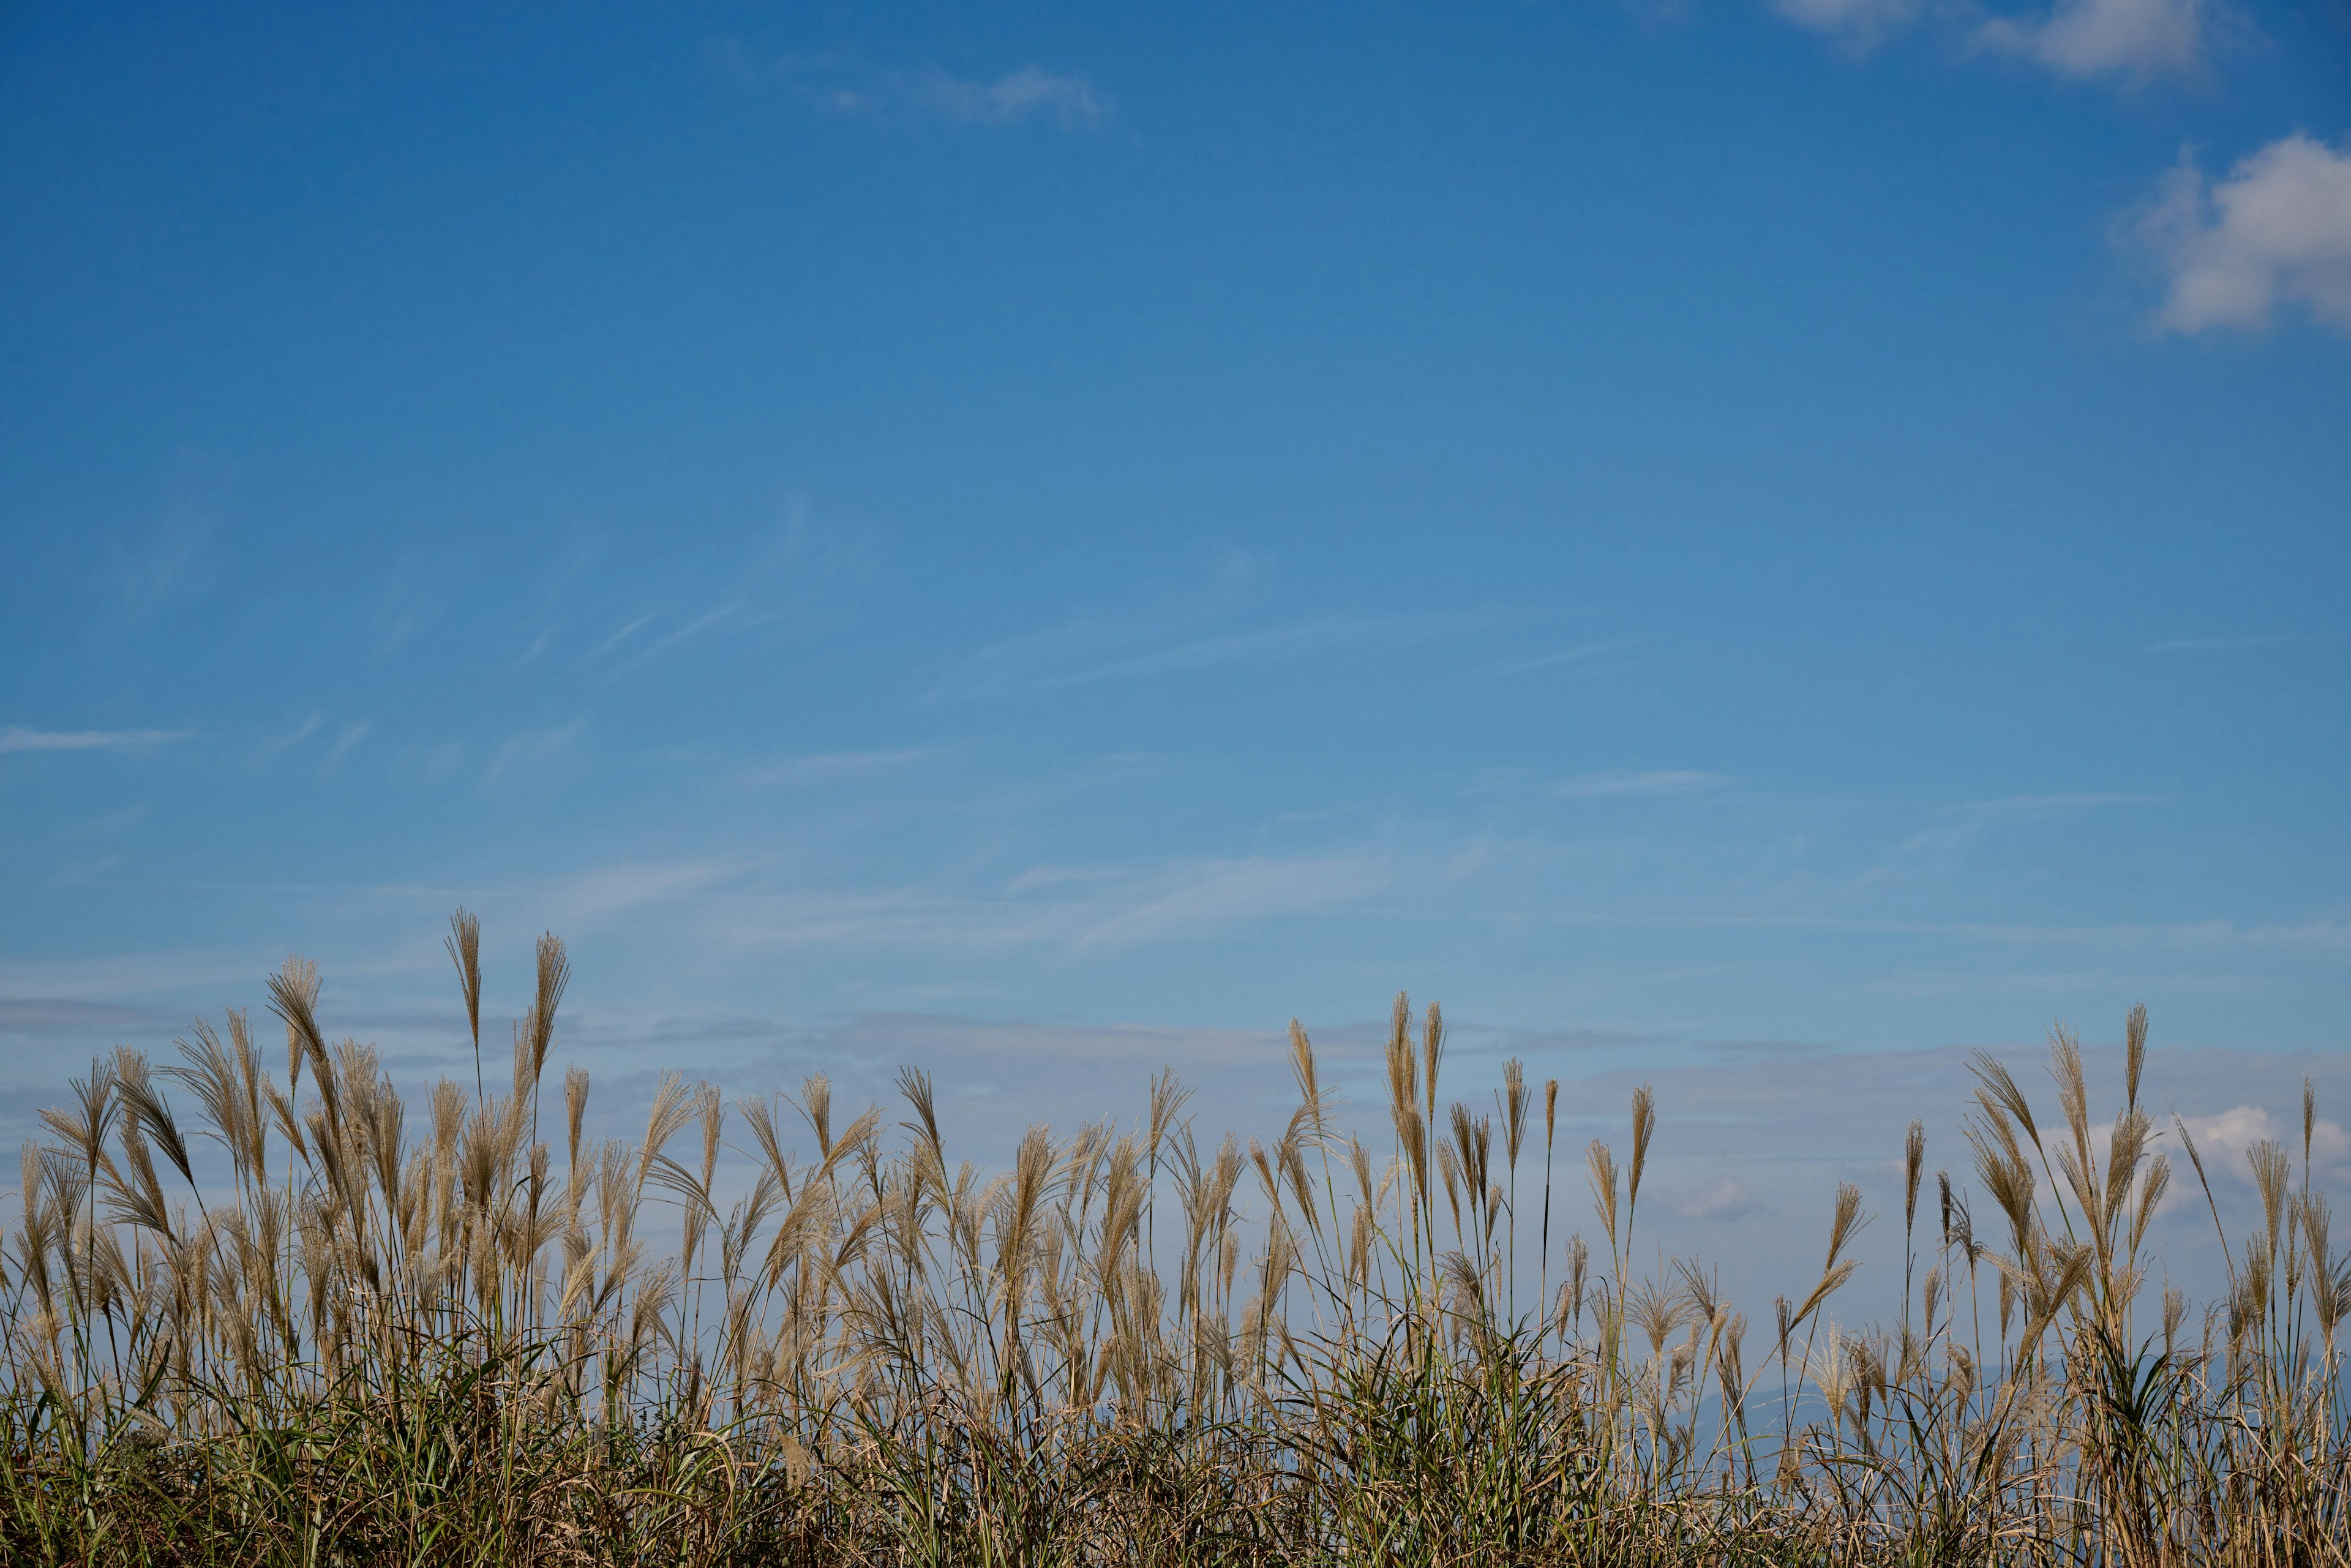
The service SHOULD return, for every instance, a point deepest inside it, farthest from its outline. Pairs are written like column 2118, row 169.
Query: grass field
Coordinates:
column 262, row 1320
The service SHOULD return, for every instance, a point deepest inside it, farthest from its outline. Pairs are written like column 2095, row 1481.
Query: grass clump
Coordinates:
column 300, row 1328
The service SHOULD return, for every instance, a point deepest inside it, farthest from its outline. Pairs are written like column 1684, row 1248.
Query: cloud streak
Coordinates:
column 829, row 767
column 833, row 83
column 15, row 739
column 2212, row 644
column 1574, row 655
column 1086, row 653
column 528, row 745
column 1061, row 910
column 1650, row 784
column 177, row 566
column 1010, row 98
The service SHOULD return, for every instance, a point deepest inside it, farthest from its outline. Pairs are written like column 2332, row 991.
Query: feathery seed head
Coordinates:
column 1645, row 1125
column 1914, row 1165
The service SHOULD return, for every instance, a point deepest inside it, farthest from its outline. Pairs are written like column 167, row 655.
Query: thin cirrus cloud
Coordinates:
column 2276, row 231
column 1060, row 911
column 14, row 738
column 176, row 565
column 531, row 746
column 2213, row 644
column 827, row 767
column 1088, row 651
column 833, row 83
column 1649, row 784
column 1578, row 655
column 1010, row 98
column 353, row 733
column 1232, row 893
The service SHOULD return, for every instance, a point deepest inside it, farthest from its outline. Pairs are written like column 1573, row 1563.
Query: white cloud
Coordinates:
column 14, row 738
column 532, row 745
column 1012, row 96
column 1721, row 1198
column 1858, row 22
column 835, row 83
column 2097, row 38
column 2277, row 229
column 2221, row 1141
column 1623, row 784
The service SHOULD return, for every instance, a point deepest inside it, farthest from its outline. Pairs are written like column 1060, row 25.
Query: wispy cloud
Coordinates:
column 2212, row 644
column 173, row 565
column 15, row 739
column 693, row 626
column 1083, row 653
column 51, row 1016
column 1223, row 895
column 805, row 573
column 413, row 598
column 109, row 977
column 1640, row 785
column 610, row 890
column 1722, row 1199
column 531, row 746
column 828, row 767
column 2131, row 40
column 2014, row 808
column 111, row 824
column 270, row 747
column 835, row 82
column 1939, row 847
column 630, row 629
column 1574, row 655
column 2276, row 231
column 1860, row 24
column 548, row 602
column 1010, row 98
column 2105, row 37
column 1063, row 910
column 351, row 735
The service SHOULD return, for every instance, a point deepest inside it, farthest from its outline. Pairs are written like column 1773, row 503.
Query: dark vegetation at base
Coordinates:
column 293, row 1329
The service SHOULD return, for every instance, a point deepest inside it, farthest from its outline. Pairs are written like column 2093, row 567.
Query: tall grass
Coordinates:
column 297, row 1327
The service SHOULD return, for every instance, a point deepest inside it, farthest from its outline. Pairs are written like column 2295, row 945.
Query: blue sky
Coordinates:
column 1752, row 546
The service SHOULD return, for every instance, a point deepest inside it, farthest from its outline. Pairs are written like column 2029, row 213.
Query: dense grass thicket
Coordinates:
column 254, row 1320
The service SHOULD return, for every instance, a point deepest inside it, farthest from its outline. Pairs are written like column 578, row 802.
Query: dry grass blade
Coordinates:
column 367, row 1352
